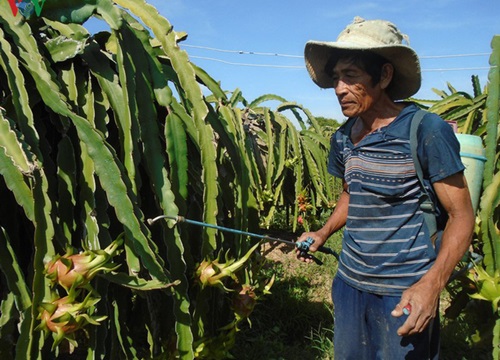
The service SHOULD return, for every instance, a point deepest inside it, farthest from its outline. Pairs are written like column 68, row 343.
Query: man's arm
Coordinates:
column 423, row 296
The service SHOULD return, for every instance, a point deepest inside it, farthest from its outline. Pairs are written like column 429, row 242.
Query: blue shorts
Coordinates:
column 365, row 329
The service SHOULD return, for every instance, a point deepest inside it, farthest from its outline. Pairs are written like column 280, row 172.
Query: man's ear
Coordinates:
column 386, row 75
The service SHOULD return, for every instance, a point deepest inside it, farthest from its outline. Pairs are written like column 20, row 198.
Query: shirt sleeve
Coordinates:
column 438, row 149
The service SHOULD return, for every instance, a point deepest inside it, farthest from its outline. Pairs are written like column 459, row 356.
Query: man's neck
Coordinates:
column 374, row 119
column 381, row 115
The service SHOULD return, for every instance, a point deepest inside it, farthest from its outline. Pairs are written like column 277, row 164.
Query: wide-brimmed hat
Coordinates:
column 378, row 36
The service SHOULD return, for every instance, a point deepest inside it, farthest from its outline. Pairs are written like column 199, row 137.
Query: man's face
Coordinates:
column 354, row 89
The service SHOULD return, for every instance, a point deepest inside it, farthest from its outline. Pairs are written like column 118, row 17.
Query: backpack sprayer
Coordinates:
column 303, row 246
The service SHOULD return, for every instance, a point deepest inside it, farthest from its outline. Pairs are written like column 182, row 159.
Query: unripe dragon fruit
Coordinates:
column 63, row 317
column 76, row 270
column 211, row 273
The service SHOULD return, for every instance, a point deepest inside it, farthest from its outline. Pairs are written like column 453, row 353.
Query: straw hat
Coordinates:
column 378, row 36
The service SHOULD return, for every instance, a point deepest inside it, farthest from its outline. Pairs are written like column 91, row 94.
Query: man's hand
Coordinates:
column 421, row 300
column 316, row 243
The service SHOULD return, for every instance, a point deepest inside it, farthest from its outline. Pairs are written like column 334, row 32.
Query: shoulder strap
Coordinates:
column 426, row 204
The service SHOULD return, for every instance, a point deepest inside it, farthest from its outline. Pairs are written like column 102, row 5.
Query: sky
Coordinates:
column 257, row 46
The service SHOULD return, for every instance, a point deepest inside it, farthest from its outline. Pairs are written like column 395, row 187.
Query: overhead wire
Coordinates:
column 246, row 52
column 246, row 64
column 241, row 52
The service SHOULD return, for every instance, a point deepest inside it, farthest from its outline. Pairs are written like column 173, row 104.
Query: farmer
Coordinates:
column 391, row 269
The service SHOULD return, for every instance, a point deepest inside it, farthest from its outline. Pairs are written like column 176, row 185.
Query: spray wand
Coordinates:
column 303, row 246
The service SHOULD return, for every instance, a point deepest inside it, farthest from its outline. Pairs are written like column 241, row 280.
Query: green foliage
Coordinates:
column 98, row 133
column 298, row 164
column 329, row 126
column 466, row 109
column 490, row 201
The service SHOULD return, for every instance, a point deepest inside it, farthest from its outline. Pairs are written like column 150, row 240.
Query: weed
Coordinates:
column 322, row 340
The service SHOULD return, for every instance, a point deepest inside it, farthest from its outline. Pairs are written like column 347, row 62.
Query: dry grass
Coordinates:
column 319, row 282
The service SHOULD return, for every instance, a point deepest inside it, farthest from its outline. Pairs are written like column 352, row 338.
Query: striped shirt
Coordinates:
column 386, row 246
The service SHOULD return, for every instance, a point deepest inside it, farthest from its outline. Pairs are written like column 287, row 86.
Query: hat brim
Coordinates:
column 407, row 75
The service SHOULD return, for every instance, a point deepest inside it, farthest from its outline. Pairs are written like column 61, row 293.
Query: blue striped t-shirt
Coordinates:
column 386, row 246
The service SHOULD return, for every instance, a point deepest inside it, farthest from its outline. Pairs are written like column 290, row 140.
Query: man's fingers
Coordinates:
column 415, row 323
column 398, row 311
column 402, row 308
column 303, row 256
